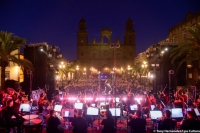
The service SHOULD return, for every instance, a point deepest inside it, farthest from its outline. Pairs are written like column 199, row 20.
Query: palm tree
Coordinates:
column 138, row 70
column 8, row 44
column 190, row 50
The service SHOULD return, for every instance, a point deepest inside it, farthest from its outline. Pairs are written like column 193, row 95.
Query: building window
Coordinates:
column 7, row 75
column 184, row 35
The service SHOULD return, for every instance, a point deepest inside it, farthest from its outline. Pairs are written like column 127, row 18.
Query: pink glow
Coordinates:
column 72, row 98
column 88, row 98
column 124, row 99
column 102, row 99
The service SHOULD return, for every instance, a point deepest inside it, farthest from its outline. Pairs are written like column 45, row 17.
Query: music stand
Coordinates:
column 196, row 112
column 152, row 107
column 58, row 108
column 25, row 107
column 133, row 107
column 177, row 113
column 93, row 105
column 67, row 113
column 116, row 112
column 155, row 114
column 92, row 112
column 78, row 105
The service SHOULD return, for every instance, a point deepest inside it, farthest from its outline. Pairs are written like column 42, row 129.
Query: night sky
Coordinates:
column 56, row 21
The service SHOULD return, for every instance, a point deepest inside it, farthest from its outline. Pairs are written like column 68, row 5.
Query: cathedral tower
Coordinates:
column 82, row 34
column 129, row 36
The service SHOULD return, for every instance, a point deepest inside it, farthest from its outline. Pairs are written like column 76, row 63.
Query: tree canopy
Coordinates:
column 189, row 50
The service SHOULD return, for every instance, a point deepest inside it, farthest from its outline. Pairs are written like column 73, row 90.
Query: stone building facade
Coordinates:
column 178, row 33
column 99, row 55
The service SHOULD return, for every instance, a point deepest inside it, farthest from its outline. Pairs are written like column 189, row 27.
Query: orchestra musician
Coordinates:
column 52, row 123
column 79, row 123
column 41, row 102
column 190, row 123
column 8, row 112
column 137, row 124
column 108, row 123
column 166, row 123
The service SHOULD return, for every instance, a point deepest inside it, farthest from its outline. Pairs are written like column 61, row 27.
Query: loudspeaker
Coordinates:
column 39, row 61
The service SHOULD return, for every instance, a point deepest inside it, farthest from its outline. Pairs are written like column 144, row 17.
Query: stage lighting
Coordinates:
column 124, row 99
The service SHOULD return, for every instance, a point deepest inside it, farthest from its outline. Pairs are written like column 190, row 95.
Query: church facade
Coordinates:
column 99, row 55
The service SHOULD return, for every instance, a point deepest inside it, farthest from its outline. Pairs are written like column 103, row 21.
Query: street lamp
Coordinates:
column 84, row 72
column 144, row 66
column 62, row 66
column 114, row 46
column 188, row 73
column 99, row 80
column 122, row 72
column 128, row 68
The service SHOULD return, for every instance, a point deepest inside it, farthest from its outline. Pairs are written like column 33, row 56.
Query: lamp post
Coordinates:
column 99, row 73
column 77, row 68
column 84, row 72
column 62, row 66
column 129, row 68
column 122, row 72
column 144, row 66
column 91, row 69
column 114, row 46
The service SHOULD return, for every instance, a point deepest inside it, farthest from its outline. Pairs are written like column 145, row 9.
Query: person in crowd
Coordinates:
column 137, row 124
column 52, row 123
column 8, row 112
column 190, row 123
column 166, row 122
column 108, row 123
column 79, row 123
